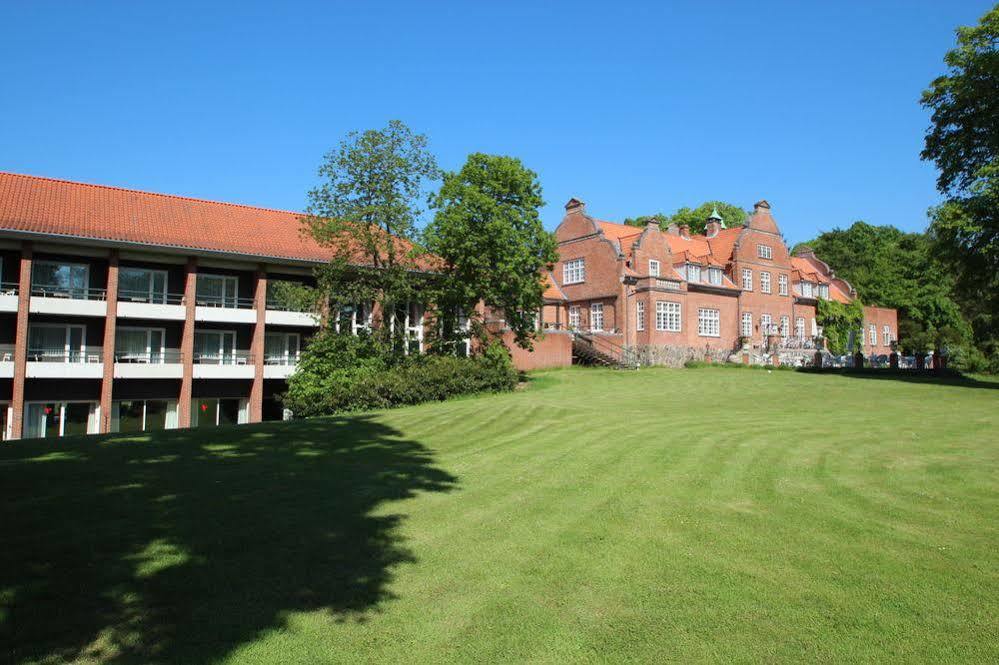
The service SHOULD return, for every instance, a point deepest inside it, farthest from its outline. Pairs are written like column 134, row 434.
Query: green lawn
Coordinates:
column 684, row 515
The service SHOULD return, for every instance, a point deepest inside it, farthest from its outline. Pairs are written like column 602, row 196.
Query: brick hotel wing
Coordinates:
column 678, row 295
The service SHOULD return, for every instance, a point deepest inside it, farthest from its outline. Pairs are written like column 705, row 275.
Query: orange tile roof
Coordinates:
column 619, row 231
column 61, row 207
column 552, row 290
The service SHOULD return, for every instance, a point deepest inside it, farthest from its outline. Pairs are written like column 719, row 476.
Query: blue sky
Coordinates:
column 633, row 107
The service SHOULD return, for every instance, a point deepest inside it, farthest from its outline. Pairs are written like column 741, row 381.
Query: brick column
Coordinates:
column 257, row 347
column 110, row 325
column 21, row 343
column 187, row 345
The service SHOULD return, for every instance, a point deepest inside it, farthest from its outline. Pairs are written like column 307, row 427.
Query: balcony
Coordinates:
column 68, row 301
column 8, row 296
column 6, row 361
column 232, row 365
column 224, row 309
column 143, row 305
column 60, row 363
column 279, row 366
column 166, row 364
column 279, row 314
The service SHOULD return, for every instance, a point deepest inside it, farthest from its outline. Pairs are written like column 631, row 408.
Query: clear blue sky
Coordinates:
column 633, row 107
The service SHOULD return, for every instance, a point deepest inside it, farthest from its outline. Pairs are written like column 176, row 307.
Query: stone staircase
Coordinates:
column 598, row 350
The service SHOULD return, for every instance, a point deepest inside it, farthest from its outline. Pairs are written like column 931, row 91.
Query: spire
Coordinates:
column 714, row 214
column 714, row 223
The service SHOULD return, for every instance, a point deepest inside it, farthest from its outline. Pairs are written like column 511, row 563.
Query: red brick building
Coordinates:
column 670, row 296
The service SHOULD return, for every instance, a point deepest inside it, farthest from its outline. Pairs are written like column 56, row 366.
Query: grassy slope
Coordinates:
column 684, row 515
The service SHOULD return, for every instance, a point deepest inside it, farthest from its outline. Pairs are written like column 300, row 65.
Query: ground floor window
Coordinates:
column 4, row 421
column 785, row 327
column 273, row 409
column 886, row 335
column 574, row 317
column 640, row 315
column 873, row 334
column 214, row 411
column 709, row 323
column 747, row 324
column 138, row 415
column 799, row 327
column 668, row 316
column 766, row 324
column 47, row 420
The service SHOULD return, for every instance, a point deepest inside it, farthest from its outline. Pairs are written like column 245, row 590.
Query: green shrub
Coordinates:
column 341, row 373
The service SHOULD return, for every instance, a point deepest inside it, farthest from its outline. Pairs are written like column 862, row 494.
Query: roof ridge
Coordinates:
column 142, row 191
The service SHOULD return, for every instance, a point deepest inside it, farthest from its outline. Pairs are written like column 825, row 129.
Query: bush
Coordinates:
column 341, row 373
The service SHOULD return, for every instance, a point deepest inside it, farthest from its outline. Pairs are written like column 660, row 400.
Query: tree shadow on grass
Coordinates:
column 936, row 378
column 183, row 547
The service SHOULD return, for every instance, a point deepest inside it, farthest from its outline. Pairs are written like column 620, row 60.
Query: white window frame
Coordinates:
column 766, row 324
column 640, row 315
column 782, row 284
column 747, row 324
column 715, row 276
column 669, row 316
column 93, row 418
column 67, row 350
column 747, row 279
column 574, row 271
column 872, row 333
column 152, row 296
column 574, row 317
column 596, row 317
column 160, row 352
column 785, row 326
column 653, row 268
column 285, row 358
column 171, row 413
column 799, row 327
column 824, row 291
column 765, row 282
column 226, row 280
column 708, row 322
column 807, row 290
column 241, row 419
column 693, row 272
column 765, row 252
column 886, row 335
column 222, row 334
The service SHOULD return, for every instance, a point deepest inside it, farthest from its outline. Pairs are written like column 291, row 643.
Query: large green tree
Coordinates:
column 696, row 218
column 487, row 231
column 963, row 141
column 366, row 212
column 891, row 268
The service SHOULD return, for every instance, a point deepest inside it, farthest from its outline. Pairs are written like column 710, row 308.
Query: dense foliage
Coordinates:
column 696, row 218
column 343, row 372
column 963, row 142
column 488, row 233
column 838, row 320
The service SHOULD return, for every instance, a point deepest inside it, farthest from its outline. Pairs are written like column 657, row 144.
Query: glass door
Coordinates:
column 217, row 290
column 214, row 347
column 52, row 343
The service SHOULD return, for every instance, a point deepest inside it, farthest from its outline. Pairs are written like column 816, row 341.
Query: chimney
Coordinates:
column 653, row 224
column 762, row 203
column 714, row 224
column 574, row 205
column 685, row 231
column 673, row 230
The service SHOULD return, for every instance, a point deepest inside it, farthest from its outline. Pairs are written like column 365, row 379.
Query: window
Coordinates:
column 143, row 415
column 574, row 271
column 715, row 276
column 799, row 327
column 141, row 285
column 873, row 334
column 815, row 328
column 56, row 419
column 807, row 290
column 355, row 318
column 782, row 284
column 693, row 272
column 67, row 280
column 281, row 348
column 747, row 279
column 640, row 315
column 139, row 345
column 886, row 335
column 766, row 324
column 785, row 326
column 214, row 411
column 58, row 343
column 216, row 347
column 597, row 316
column 653, row 268
column 765, row 282
column 574, row 317
column 747, row 324
column 824, row 291
column 764, row 251
column 414, row 327
column 216, row 290
column 708, row 323
column 668, row 316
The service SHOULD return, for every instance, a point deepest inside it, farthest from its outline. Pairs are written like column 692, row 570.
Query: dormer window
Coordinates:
column 653, row 268
column 693, row 272
column 764, row 251
column 715, row 276
column 824, row 291
column 806, row 290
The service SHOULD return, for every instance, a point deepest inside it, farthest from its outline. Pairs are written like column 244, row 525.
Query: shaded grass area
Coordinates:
column 597, row 515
